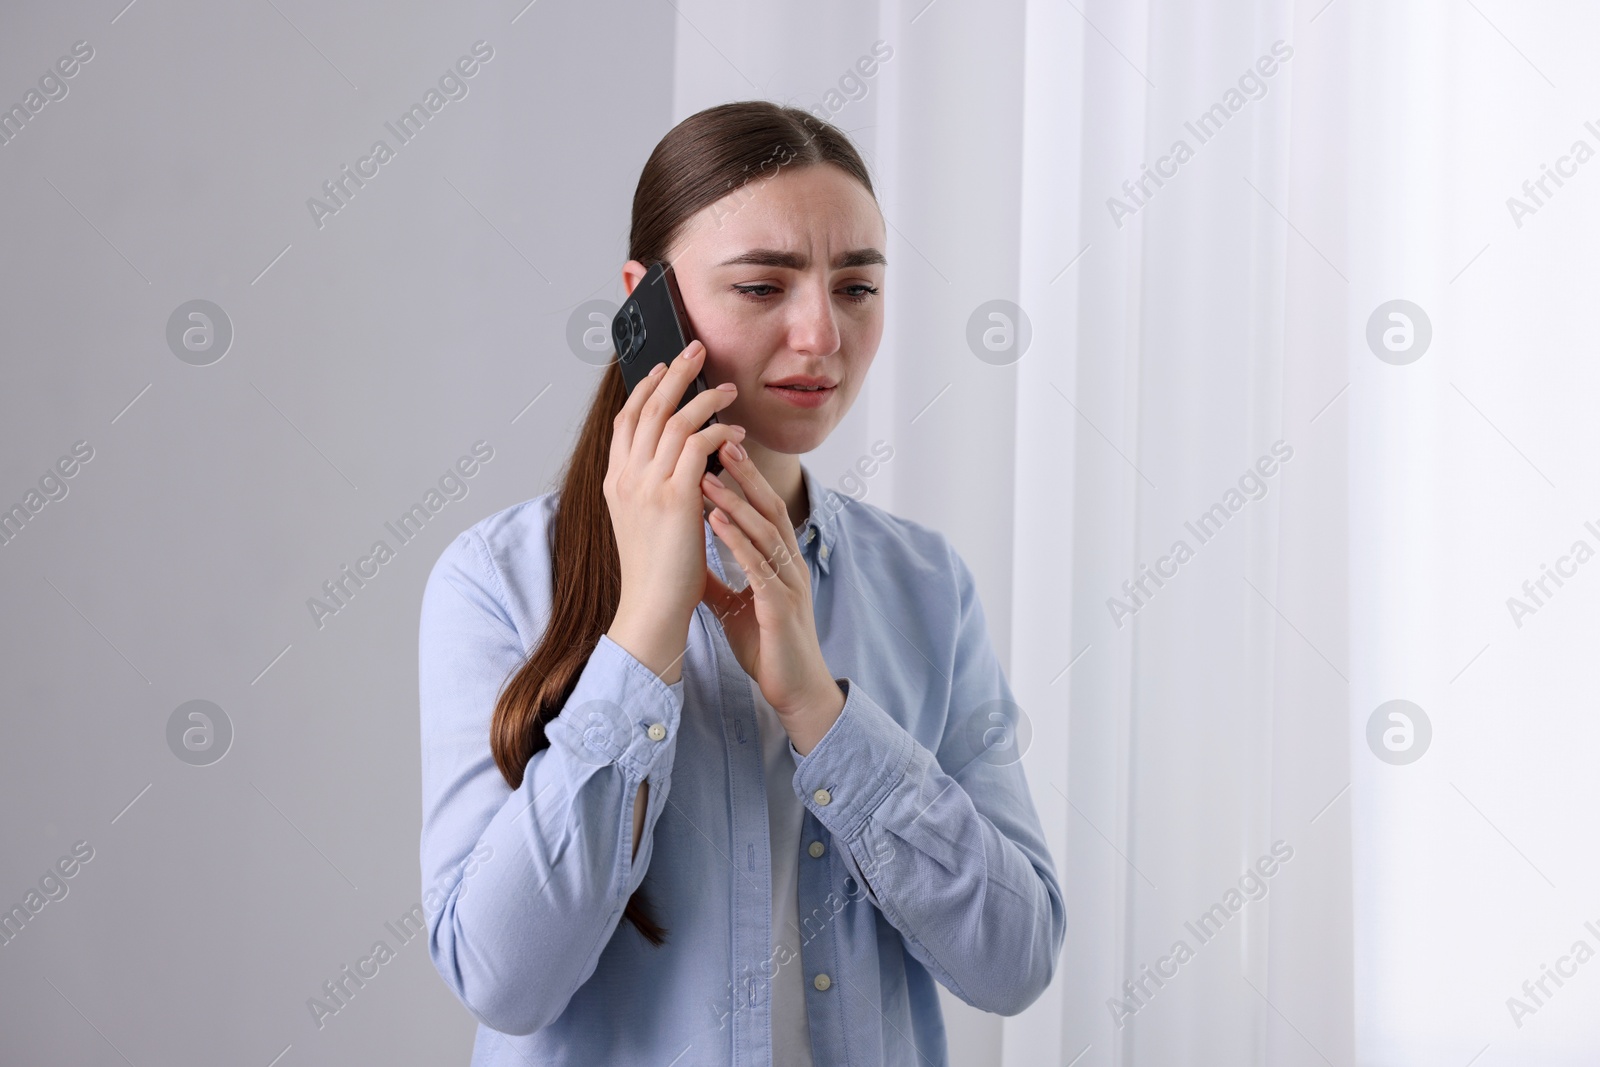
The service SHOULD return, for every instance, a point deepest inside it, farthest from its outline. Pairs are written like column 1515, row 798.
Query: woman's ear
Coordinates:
column 632, row 272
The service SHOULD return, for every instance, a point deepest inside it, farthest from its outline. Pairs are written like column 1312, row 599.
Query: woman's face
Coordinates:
column 783, row 278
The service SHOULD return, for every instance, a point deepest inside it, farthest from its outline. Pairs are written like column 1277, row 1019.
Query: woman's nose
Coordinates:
column 813, row 329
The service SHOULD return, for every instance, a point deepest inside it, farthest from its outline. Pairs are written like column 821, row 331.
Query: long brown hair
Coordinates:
column 702, row 159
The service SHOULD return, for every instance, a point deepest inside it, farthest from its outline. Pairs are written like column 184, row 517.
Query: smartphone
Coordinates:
column 651, row 327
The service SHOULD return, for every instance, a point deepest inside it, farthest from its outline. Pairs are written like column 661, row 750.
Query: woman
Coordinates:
column 653, row 697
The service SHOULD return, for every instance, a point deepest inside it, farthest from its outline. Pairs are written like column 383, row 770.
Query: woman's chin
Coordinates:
column 791, row 440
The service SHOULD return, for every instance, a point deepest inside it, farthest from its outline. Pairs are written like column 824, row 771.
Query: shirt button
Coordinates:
column 656, row 731
column 811, row 535
column 822, row 981
column 824, row 551
column 817, row 849
column 822, row 796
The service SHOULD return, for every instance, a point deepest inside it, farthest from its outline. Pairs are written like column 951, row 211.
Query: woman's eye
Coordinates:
column 858, row 293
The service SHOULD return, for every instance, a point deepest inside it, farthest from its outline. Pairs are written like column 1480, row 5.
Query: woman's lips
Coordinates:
column 803, row 398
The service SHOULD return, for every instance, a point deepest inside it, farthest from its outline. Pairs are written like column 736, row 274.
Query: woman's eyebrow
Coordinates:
column 772, row 257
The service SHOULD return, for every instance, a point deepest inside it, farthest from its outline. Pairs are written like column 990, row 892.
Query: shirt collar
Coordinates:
column 822, row 524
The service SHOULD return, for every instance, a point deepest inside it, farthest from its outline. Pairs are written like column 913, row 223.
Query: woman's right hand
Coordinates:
column 652, row 488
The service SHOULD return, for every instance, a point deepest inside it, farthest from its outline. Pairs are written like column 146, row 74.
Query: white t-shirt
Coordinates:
column 791, row 1038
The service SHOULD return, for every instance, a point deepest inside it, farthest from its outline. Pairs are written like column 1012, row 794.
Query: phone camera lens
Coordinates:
column 627, row 331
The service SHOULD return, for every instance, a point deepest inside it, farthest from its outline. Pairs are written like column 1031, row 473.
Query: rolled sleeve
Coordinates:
column 856, row 764
column 610, row 716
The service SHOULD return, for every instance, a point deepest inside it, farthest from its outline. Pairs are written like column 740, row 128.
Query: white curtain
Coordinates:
column 1199, row 371
column 1197, row 335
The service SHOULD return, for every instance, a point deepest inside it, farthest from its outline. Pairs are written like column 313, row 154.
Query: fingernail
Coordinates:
column 728, row 387
column 716, row 513
column 657, row 369
column 736, row 451
column 713, row 479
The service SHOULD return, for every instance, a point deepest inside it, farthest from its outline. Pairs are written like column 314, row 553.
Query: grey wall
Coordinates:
column 367, row 355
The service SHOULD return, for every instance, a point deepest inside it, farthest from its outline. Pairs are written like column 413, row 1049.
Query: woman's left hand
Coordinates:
column 770, row 624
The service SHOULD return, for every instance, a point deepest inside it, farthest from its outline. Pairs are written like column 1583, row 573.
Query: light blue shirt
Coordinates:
column 921, row 855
